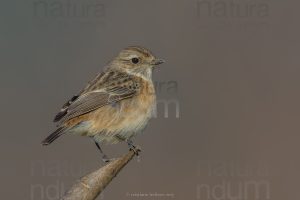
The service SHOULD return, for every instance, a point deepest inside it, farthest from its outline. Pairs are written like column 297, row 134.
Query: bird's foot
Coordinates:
column 106, row 159
column 136, row 150
column 132, row 147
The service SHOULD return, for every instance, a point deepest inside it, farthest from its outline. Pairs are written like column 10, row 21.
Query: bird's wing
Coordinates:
column 106, row 89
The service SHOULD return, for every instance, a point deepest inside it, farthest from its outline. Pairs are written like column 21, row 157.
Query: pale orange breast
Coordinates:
column 129, row 116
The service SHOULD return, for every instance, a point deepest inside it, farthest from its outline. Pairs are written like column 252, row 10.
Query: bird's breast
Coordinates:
column 128, row 116
column 138, row 110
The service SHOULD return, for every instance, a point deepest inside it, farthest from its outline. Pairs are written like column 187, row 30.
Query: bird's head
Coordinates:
column 136, row 60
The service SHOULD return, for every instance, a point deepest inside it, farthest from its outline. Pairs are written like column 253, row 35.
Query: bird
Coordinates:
column 116, row 105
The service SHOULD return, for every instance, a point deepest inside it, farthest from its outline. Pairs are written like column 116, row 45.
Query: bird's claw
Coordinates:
column 106, row 159
column 135, row 149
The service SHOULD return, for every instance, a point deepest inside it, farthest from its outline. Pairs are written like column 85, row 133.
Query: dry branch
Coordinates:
column 92, row 184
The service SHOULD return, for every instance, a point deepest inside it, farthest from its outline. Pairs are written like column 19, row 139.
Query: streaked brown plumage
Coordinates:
column 116, row 105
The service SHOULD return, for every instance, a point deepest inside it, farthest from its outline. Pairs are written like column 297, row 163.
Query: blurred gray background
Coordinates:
column 230, row 83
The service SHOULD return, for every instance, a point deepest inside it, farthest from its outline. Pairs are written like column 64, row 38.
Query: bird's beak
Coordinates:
column 157, row 61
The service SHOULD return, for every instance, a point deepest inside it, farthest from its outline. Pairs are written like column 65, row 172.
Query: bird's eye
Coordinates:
column 135, row 60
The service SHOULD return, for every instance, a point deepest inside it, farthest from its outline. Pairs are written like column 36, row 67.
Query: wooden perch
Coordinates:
column 92, row 184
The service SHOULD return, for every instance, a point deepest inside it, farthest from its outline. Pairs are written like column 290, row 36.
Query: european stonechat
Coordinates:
column 116, row 105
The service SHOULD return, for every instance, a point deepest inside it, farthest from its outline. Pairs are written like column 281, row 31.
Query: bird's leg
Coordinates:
column 130, row 144
column 104, row 157
column 132, row 147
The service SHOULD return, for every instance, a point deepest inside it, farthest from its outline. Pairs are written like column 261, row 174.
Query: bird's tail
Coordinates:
column 53, row 136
